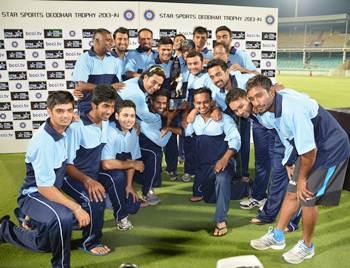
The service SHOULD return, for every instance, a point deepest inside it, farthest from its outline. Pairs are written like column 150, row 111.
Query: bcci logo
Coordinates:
column 72, row 33
column 270, row 19
column 14, row 44
column 149, row 14
column 129, row 14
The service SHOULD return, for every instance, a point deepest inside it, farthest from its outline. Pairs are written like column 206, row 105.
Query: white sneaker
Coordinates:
column 299, row 253
column 251, row 203
column 151, row 198
column 124, row 225
column 187, row 177
column 172, row 175
column 267, row 241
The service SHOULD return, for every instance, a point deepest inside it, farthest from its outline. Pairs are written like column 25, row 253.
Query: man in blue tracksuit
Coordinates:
column 152, row 142
column 216, row 144
column 322, row 147
column 143, row 56
column 94, row 67
column 86, row 139
column 40, row 196
column 238, row 59
column 119, row 163
column 226, row 81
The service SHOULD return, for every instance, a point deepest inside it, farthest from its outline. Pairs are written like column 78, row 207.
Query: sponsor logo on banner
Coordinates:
column 39, row 115
column 251, row 36
column 167, row 32
column 5, row 106
column 2, row 44
column 269, row 36
column 252, row 45
column 149, row 14
column 14, row 44
column 268, row 73
column 34, row 33
column 256, row 63
column 21, row 135
column 53, row 44
column 238, row 35
column 53, row 33
column 36, row 65
column 268, row 55
column 253, row 54
column 270, row 45
column 237, row 44
column 129, row 15
column 36, row 74
column 6, row 125
column 20, row 106
column 270, row 19
column 38, row 105
column 13, row 33
column 72, row 33
column 72, row 43
column 3, row 66
column 55, row 74
column 268, row 64
column 70, row 84
column 74, row 54
column 38, row 95
column 54, row 54
column 19, row 96
column 4, row 96
column 4, row 86
column 21, row 115
column 88, row 33
column 18, row 85
column 16, row 65
column 38, row 85
column 132, row 33
column 33, row 44
column 17, row 75
column 15, row 54
column 69, row 64
column 54, row 64
column 22, row 125
column 35, row 54
column 55, row 85
column 37, row 124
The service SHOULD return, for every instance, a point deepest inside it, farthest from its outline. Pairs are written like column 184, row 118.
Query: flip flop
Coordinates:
column 92, row 253
column 257, row 221
column 196, row 198
column 220, row 231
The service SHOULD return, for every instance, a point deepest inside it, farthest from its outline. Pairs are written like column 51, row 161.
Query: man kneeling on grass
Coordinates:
column 40, row 197
column 217, row 142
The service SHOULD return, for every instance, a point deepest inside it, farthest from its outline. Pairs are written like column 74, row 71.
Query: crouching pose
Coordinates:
column 216, row 144
column 40, row 196
column 119, row 163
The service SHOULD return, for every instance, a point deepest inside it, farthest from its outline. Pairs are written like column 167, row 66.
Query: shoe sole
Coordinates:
column 247, row 208
column 123, row 229
column 275, row 247
column 297, row 262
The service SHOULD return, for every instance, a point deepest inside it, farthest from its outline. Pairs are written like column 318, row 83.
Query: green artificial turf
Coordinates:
column 177, row 233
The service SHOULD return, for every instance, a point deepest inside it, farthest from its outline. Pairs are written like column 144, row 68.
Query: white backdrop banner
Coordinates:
column 40, row 42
